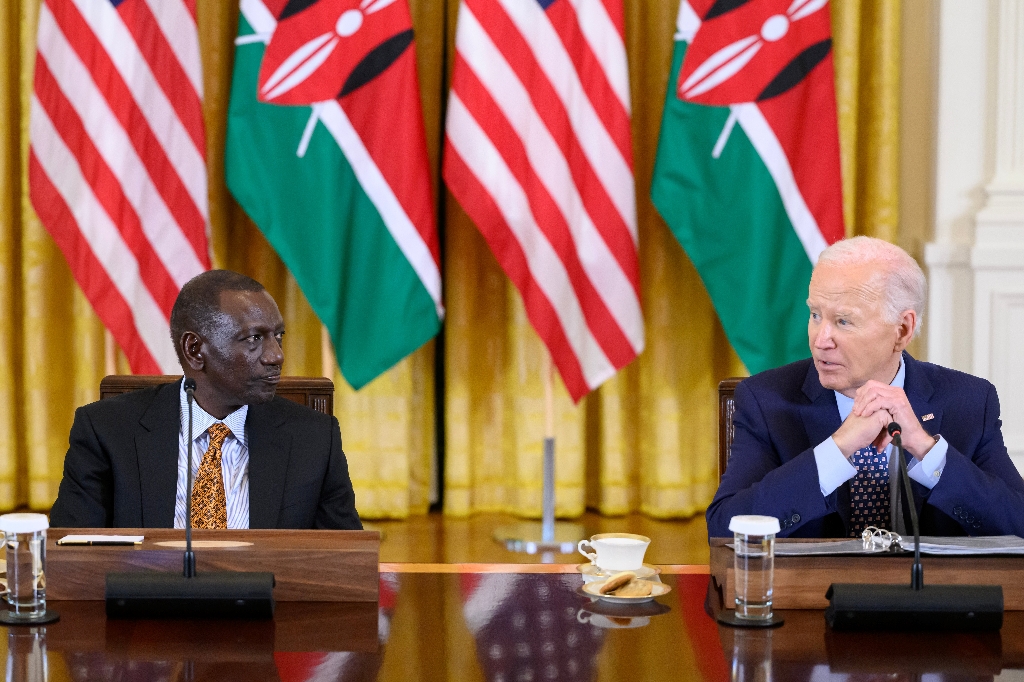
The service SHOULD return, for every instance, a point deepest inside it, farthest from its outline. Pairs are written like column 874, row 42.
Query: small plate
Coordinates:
column 595, row 571
column 657, row 589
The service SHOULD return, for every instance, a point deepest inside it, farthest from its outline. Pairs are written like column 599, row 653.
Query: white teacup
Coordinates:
column 616, row 551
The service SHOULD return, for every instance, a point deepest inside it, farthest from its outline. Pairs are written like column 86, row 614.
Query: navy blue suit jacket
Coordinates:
column 782, row 414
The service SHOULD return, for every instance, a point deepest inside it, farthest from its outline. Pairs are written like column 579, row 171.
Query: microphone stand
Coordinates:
column 917, row 570
column 190, row 556
column 954, row 608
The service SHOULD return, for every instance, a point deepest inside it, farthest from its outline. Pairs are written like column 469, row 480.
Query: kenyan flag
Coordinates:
column 747, row 173
column 326, row 153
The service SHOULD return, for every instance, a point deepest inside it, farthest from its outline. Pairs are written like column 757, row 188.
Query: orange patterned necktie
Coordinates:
column 209, row 504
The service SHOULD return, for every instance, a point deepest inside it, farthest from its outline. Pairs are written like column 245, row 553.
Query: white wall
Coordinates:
column 976, row 263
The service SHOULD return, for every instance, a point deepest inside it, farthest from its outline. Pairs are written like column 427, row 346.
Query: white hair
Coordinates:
column 905, row 284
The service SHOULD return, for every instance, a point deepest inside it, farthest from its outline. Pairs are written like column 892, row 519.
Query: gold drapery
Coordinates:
column 645, row 440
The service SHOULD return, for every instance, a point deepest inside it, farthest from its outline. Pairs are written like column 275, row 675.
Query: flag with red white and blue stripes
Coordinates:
column 117, row 162
column 539, row 154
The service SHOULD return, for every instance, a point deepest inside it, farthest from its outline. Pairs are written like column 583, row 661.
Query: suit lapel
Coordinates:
column 821, row 420
column 919, row 392
column 269, row 452
column 156, row 447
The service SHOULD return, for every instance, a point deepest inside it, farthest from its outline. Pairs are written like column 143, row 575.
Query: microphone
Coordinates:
column 190, row 557
column 949, row 608
column 916, row 570
column 222, row 594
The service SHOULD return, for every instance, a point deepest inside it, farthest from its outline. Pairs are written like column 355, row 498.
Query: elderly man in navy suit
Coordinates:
column 811, row 446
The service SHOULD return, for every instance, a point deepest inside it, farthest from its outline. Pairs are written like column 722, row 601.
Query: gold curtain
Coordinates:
column 645, row 441
column 866, row 39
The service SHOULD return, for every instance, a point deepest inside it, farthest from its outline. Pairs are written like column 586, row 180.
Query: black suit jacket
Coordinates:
column 121, row 469
column 783, row 414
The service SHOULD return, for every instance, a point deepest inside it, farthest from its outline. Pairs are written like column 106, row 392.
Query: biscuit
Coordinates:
column 635, row 588
column 616, row 581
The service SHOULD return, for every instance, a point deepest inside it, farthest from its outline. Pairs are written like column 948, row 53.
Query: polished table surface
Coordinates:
column 497, row 623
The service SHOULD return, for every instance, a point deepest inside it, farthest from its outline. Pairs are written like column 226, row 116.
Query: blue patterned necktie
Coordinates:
column 869, row 491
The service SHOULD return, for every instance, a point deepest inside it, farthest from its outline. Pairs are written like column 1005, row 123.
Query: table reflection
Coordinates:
column 26, row 654
column 493, row 627
column 527, row 629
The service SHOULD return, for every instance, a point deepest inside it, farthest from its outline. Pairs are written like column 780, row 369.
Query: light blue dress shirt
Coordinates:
column 834, row 469
column 234, row 461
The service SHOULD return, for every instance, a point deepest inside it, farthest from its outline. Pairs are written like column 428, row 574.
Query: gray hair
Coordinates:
column 905, row 284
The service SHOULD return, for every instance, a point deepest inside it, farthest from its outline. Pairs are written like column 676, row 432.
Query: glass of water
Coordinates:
column 25, row 549
column 754, row 543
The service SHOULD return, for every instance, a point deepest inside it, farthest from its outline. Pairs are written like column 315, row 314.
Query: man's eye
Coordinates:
column 843, row 322
column 815, row 316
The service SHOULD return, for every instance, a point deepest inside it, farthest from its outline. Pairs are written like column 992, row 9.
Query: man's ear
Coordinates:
column 905, row 330
column 191, row 349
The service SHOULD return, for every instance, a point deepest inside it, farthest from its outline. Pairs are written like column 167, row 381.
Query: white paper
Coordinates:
column 991, row 544
column 101, row 539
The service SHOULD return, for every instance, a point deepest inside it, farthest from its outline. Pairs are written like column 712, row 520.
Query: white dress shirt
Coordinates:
column 234, row 460
column 834, row 469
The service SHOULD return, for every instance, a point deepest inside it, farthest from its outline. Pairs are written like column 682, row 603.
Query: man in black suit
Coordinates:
column 259, row 461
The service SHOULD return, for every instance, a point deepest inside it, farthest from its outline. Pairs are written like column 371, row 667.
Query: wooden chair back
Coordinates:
column 726, row 430
column 316, row 393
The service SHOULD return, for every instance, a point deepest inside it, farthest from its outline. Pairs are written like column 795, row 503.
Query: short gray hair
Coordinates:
column 905, row 283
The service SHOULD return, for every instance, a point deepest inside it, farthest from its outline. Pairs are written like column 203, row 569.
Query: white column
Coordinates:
column 976, row 263
column 960, row 177
column 998, row 254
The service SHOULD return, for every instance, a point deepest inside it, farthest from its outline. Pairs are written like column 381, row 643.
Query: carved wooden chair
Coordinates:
column 314, row 392
column 726, row 431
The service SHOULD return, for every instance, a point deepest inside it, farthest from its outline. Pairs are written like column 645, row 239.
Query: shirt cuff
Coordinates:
column 833, row 467
column 928, row 470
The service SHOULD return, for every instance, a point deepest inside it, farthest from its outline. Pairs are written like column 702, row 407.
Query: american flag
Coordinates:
column 117, row 163
column 538, row 152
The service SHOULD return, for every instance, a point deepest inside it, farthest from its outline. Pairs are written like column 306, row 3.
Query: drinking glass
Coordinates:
column 25, row 548
column 754, row 543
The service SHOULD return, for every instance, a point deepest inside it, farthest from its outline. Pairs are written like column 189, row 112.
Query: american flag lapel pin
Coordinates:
column 927, row 417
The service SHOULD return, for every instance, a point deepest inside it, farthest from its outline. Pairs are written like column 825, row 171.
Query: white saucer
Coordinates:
column 657, row 589
column 595, row 571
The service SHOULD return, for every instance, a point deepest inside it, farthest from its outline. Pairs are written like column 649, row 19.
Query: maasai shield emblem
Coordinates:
column 330, row 48
column 754, row 50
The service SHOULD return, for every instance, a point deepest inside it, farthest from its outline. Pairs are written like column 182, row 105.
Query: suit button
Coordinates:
column 957, row 511
column 796, row 518
column 977, row 524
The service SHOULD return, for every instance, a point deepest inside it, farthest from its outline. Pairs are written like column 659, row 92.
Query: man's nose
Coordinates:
column 823, row 339
column 273, row 354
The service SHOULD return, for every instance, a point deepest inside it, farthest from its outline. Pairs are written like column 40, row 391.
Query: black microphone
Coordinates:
column 916, row 570
column 215, row 594
column 190, row 557
column 951, row 608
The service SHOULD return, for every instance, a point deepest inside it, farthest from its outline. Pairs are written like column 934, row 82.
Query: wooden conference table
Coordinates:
column 488, row 622
column 500, row 623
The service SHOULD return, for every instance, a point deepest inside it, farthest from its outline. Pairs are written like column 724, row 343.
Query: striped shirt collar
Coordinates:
column 203, row 420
